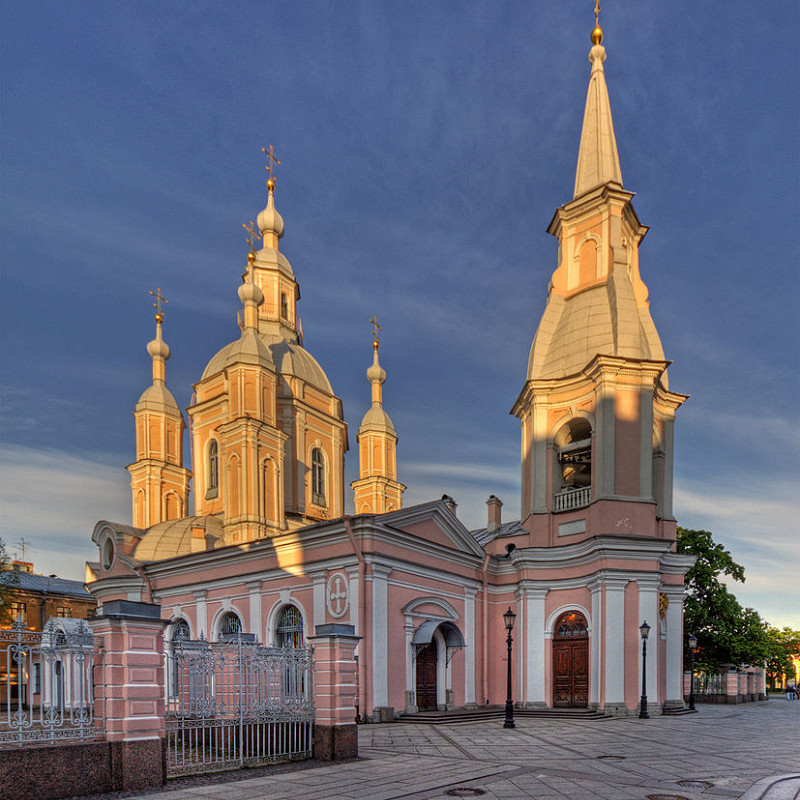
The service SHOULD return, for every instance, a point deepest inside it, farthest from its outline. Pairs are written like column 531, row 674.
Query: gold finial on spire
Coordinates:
column 597, row 33
column 375, row 328
column 157, row 305
column 252, row 236
column 272, row 160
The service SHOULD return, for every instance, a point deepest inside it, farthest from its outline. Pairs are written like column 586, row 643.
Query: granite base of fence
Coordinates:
column 83, row 768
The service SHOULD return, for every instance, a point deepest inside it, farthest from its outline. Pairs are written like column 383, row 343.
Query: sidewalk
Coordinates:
column 744, row 751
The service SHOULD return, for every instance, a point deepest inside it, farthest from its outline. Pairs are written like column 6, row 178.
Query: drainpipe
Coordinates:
column 148, row 586
column 485, row 632
column 362, row 616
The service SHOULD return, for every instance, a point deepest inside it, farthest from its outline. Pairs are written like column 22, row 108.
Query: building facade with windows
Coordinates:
column 269, row 551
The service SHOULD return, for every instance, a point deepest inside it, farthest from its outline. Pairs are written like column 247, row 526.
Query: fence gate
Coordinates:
column 236, row 703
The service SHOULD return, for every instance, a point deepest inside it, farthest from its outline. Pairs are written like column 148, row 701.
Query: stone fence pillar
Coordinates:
column 335, row 732
column 732, row 686
column 131, row 690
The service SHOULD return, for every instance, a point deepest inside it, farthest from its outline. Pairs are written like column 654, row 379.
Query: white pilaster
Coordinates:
column 470, row 651
column 674, row 655
column 646, row 444
column 648, row 610
column 202, row 612
column 352, row 574
column 254, row 587
column 409, row 631
column 380, row 635
column 614, row 627
column 539, row 458
column 534, row 656
column 595, row 643
column 669, row 444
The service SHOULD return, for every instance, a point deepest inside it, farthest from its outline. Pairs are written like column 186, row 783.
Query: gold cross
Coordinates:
column 252, row 235
column 272, row 160
column 596, row 15
column 375, row 328
column 159, row 300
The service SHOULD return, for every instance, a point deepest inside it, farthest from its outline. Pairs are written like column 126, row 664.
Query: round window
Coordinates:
column 108, row 553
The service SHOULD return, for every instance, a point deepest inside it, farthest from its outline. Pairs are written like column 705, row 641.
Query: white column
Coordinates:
column 254, row 587
column 518, row 647
column 470, row 651
column 614, row 636
column 534, row 656
column 648, row 610
column 595, row 643
column 202, row 613
column 674, row 656
column 380, row 636
column 317, row 599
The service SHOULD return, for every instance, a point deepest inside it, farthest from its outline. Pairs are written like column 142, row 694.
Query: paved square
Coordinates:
column 720, row 752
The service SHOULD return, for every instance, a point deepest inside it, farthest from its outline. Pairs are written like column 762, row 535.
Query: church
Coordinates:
column 268, row 550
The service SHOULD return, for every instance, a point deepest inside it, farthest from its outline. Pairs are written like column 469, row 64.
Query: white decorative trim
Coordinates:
column 272, row 616
column 448, row 612
column 334, row 593
column 551, row 620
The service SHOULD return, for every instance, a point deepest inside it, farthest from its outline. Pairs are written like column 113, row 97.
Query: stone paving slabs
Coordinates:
column 733, row 748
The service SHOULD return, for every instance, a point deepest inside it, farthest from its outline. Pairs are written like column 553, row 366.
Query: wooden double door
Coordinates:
column 427, row 668
column 571, row 661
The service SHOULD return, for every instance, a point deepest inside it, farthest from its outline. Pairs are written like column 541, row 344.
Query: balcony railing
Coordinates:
column 570, row 498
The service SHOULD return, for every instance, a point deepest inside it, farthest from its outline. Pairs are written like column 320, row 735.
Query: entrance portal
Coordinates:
column 427, row 664
column 571, row 661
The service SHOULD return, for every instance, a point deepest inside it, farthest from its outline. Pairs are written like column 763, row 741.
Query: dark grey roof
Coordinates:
column 29, row 582
column 482, row 535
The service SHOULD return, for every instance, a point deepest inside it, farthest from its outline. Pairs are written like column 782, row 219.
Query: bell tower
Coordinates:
column 159, row 481
column 377, row 489
column 596, row 412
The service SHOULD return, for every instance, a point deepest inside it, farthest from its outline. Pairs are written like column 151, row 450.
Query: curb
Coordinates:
column 777, row 787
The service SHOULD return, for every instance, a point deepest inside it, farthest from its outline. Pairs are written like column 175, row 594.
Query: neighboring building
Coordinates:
column 269, row 551
column 37, row 598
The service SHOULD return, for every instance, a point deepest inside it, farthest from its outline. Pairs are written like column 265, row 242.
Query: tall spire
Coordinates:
column 598, row 159
column 158, row 349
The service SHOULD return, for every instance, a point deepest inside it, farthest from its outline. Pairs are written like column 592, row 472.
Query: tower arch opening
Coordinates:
column 572, row 470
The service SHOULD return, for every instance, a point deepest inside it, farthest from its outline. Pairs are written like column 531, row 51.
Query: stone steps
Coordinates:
column 495, row 712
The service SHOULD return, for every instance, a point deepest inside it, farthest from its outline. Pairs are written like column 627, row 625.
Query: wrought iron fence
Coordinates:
column 47, row 683
column 236, row 703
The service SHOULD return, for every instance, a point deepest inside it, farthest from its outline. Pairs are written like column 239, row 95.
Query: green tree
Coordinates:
column 8, row 580
column 784, row 645
column 726, row 632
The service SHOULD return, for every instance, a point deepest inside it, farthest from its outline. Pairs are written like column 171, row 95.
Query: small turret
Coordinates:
column 159, row 481
column 377, row 490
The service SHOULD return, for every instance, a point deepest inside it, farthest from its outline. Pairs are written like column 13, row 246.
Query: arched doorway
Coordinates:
column 571, row 661
column 434, row 642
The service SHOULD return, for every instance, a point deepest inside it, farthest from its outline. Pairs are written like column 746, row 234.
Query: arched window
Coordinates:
column 284, row 306
column 213, row 469
column 317, row 477
column 571, row 625
column 179, row 678
column 180, row 631
column 572, row 477
column 289, row 627
column 229, row 626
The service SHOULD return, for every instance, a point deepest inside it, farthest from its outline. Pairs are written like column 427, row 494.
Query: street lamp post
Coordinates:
column 692, row 650
column 644, row 629
column 509, row 617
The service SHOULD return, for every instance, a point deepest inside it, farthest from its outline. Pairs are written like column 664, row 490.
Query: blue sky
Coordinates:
column 425, row 147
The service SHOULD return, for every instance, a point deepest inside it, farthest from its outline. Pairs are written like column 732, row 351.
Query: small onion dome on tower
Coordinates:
column 157, row 397
column 269, row 221
column 248, row 348
column 376, row 418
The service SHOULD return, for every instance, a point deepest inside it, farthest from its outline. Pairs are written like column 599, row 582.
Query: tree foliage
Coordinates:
column 784, row 646
column 8, row 580
column 726, row 632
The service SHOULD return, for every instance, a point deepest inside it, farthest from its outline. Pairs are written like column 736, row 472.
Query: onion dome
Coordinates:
column 157, row 397
column 269, row 221
column 376, row 418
